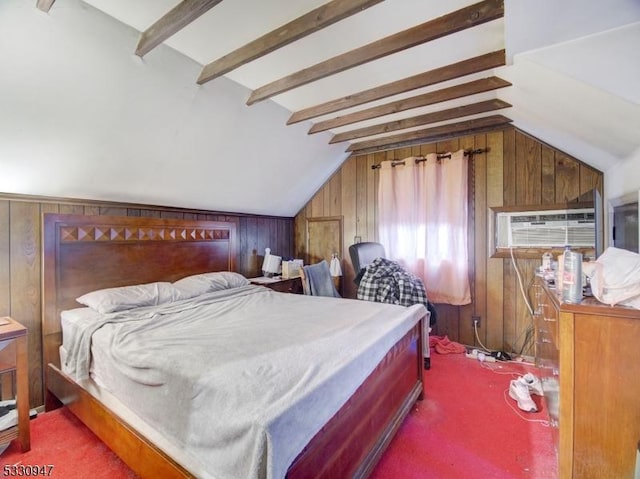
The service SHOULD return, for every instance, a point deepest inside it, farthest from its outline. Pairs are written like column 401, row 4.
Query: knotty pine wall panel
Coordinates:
column 534, row 174
column 548, row 172
column 517, row 170
column 20, row 255
column 25, row 281
column 5, row 276
column 477, row 243
column 349, row 213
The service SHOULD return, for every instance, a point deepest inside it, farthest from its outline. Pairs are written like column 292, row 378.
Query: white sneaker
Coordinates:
column 520, row 393
column 533, row 383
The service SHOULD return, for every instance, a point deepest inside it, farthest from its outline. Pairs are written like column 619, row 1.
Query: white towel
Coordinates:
column 334, row 267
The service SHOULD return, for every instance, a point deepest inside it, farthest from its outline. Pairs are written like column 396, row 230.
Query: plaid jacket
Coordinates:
column 385, row 281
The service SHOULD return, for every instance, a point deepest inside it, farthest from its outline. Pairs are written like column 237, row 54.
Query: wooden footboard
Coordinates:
column 353, row 441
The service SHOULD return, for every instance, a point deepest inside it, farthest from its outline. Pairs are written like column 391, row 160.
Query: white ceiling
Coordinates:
column 581, row 40
column 231, row 24
column 574, row 68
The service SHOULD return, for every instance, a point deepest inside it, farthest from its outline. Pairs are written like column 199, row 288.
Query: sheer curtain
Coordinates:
column 422, row 221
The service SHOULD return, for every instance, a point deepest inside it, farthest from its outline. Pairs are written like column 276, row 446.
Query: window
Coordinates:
column 422, row 220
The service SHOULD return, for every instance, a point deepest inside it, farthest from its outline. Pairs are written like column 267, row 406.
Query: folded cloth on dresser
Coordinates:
column 241, row 379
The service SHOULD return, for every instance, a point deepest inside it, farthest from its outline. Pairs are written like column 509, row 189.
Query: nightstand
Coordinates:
column 14, row 364
column 290, row 285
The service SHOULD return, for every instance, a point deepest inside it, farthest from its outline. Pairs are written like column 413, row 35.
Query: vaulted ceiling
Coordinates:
column 360, row 69
column 366, row 75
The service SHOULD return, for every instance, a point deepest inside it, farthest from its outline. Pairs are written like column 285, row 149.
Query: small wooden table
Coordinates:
column 283, row 285
column 14, row 359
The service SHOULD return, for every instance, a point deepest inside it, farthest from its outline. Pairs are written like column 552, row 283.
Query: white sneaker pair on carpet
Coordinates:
column 521, row 389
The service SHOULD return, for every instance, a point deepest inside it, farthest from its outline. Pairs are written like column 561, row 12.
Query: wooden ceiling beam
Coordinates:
column 428, row 135
column 436, row 96
column 456, row 21
column 176, row 19
column 431, row 77
column 307, row 24
column 433, row 117
column 45, row 5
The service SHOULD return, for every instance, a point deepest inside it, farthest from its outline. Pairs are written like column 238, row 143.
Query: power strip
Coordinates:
column 480, row 356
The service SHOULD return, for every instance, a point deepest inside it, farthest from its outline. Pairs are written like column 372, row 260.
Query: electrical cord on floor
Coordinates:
column 525, row 345
column 492, row 368
column 544, row 422
column 528, row 332
column 475, row 330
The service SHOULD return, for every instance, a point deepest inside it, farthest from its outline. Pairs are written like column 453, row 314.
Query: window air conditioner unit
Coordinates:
column 545, row 229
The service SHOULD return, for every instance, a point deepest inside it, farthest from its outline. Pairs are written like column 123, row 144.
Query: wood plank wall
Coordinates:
column 517, row 170
column 20, row 255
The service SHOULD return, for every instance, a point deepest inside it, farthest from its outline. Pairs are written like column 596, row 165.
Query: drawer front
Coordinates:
column 545, row 322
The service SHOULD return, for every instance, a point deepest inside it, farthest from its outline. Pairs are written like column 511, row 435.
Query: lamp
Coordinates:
column 271, row 264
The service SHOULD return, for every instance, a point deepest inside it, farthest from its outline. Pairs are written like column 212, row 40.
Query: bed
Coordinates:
column 89, row 253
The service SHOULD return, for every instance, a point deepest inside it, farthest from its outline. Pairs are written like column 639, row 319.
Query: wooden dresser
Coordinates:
column 590, row 354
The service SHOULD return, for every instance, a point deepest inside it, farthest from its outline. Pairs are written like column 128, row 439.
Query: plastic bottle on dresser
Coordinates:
column 547, row 267
column 572, row 276
column 560, row 273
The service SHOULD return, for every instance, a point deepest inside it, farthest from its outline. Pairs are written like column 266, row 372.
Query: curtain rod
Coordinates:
column 440, row 156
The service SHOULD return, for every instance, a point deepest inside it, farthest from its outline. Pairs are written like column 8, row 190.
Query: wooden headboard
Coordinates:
column 86, row 253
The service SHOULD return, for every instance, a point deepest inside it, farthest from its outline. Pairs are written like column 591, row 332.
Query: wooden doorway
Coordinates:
column 324, row 238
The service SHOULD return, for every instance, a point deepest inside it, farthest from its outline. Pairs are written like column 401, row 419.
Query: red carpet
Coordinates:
column 464, row 428
column 61, row 440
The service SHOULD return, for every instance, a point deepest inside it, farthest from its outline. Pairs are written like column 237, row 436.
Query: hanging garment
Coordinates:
column 385, row 281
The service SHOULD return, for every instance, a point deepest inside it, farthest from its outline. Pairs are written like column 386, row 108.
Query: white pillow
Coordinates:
column 198, row 284
column 226, row 280
column 111, row 300
column 191, row 286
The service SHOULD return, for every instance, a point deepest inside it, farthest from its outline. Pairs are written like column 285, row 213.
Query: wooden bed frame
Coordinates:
column 85, row 253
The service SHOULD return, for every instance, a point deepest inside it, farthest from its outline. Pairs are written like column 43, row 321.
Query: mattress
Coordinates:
column 239, row 380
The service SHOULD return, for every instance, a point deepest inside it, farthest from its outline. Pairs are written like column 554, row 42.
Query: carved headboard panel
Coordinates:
column 85, row 253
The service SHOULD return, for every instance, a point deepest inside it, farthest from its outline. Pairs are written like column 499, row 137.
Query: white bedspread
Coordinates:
column 241, row 379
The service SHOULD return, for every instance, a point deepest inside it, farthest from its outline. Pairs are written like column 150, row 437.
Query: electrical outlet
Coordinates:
column 475, row 321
